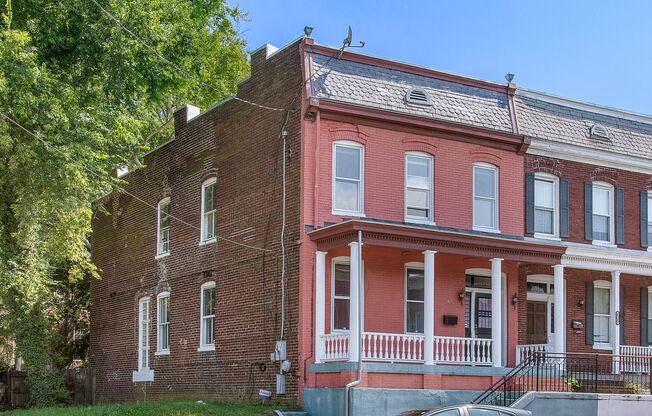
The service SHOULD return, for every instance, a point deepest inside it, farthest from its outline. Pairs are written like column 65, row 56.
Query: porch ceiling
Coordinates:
column 444, row 240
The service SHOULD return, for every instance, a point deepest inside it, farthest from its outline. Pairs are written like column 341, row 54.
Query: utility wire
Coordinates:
column 101, row 177
column 173, row 65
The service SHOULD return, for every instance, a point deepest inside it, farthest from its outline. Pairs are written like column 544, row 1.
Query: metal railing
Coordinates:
column 587, row 373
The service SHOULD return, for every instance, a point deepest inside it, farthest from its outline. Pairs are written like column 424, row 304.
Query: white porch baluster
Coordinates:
column 320, row 304
column 496, row 311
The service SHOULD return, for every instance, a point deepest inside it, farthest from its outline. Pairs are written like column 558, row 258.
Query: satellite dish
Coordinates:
column 349, row 39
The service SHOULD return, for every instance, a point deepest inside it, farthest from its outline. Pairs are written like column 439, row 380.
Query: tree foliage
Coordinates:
column 95, row 98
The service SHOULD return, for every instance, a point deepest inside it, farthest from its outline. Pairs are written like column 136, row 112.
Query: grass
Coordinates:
column 152, row 409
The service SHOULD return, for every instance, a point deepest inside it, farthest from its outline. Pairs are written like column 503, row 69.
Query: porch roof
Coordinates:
column 442, row 239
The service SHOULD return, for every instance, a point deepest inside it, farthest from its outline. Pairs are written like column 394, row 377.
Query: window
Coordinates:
column 163, row 228
column 347, row 178
column 545, row 205
column 418, row 188
column 601, row 313
column 414, row 293
column 649, row 218
column 341, row 295
column 207, row 325
column 485, row 197
column 649, row 315
column 603, row 205
column 208, row 211
column 163, row 324
column 143, row 334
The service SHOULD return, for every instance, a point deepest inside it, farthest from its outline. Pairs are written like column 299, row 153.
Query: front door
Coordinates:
column 482, row 315
column 537, row 322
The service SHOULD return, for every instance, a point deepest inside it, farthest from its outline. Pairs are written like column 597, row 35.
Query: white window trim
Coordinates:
column 649, row 313
column 649, row 219
column 612, row 215
column 343, row 212
column 417, row 266
column 541, row 176
column 339, row 260
column 202, row 346
column 159, row 350
column 202, row 240
column 431, row 199
column 497, row 198
column 143, row 373
column 159, row 253
column 603, row 284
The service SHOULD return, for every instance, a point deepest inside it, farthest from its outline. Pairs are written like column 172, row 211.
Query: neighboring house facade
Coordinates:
column 474, row 202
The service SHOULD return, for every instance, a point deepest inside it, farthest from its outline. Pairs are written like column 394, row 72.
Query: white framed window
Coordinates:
column 485, row 197
column 546, row 205
column 163, row 228
column 208, row 210
column 603, row 213
column 419, row 188
column 649, row 218
column 163, row 323
column 143, row 333
column 341, row 293
column 414, row 298
column 601, row 314
column 649, row 315
column 207, row 321
column 348, row 178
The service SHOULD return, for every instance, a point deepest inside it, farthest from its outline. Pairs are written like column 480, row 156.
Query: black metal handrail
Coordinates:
column 572, row 372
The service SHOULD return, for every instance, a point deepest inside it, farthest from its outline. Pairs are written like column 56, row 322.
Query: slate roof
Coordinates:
column 539, row 118
column 384, row 88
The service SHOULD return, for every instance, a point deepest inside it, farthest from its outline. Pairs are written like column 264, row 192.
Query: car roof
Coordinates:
column 508, row 410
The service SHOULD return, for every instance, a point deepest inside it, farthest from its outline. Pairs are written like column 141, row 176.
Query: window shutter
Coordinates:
column 644, row 242
column 563, row 209
column 529, row 202
column 588, row 211
column 645, row 337
column 621, row 321
column 588, row 305
column 620, row 216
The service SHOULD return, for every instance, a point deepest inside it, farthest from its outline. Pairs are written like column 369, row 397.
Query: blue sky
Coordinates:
column 596, row 51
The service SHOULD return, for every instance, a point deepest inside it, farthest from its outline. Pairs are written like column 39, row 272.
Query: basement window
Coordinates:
column 418, row 96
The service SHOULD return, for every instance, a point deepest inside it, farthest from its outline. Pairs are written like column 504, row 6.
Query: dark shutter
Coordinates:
column 588, row 211
column 588, row 306
column 620, row 216
column 644, row 242
column 621, row 320
column 529, row 202
column 563, row 208
column 644, row 318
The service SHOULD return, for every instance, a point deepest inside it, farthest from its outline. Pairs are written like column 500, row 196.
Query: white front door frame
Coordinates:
column 544, row 297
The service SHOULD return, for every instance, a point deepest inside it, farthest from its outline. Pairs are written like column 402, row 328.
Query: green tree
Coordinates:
column 80, row 96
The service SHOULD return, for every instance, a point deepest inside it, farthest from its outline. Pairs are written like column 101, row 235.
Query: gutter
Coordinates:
column 358, row 380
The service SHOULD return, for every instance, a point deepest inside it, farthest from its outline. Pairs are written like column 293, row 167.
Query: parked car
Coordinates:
column 469, row 410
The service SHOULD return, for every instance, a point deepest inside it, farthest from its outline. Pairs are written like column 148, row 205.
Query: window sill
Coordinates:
column 348, row 214
column 603, row 243
column 204, row 242
column 205, row 348
column 602, row 346
column 547, row 237
column 162, row 353
column 418, row 221
column 161, row 256
column 142, row 376
column 649, row 249
column 486, row 230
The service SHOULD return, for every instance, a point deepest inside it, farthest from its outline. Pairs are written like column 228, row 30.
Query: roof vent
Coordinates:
column 599, row 131
column 418, row 96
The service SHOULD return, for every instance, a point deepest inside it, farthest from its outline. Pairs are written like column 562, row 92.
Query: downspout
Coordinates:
column 358, row 380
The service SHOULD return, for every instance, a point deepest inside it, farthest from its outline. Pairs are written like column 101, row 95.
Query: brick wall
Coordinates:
column 239, row 145
column 579, row 173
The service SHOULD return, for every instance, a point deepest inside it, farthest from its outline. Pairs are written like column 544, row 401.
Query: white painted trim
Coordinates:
column 542, row 176
column 612, row 214
column 202, row 346
column 575, row 153
column 343, row 212
column 142, row 376
column 320, row 304
column 431, row 197
column 141, row 302
column 589, row 257
column 483, row 165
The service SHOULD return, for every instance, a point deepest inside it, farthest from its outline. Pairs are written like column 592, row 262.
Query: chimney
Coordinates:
column 260, row 55
column 182, row 116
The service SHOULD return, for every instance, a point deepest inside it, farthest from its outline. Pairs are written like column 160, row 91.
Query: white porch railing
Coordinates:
column 392, row 347
column 523, row 352
column 336, row 346
column 460, row 350
column 635, row 359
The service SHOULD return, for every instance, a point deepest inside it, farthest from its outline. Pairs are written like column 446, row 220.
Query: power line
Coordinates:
column 175, row 66
column 101, row 177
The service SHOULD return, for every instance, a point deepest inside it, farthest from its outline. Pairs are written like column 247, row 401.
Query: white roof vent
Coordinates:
column 418, row 96
column 599, row 131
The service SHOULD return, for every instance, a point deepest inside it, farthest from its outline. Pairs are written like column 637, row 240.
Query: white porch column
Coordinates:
column 560, row 318
column 320, row 304
column 496, row 312
column 615, row 315
column 429, row 306
column 354, row 309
